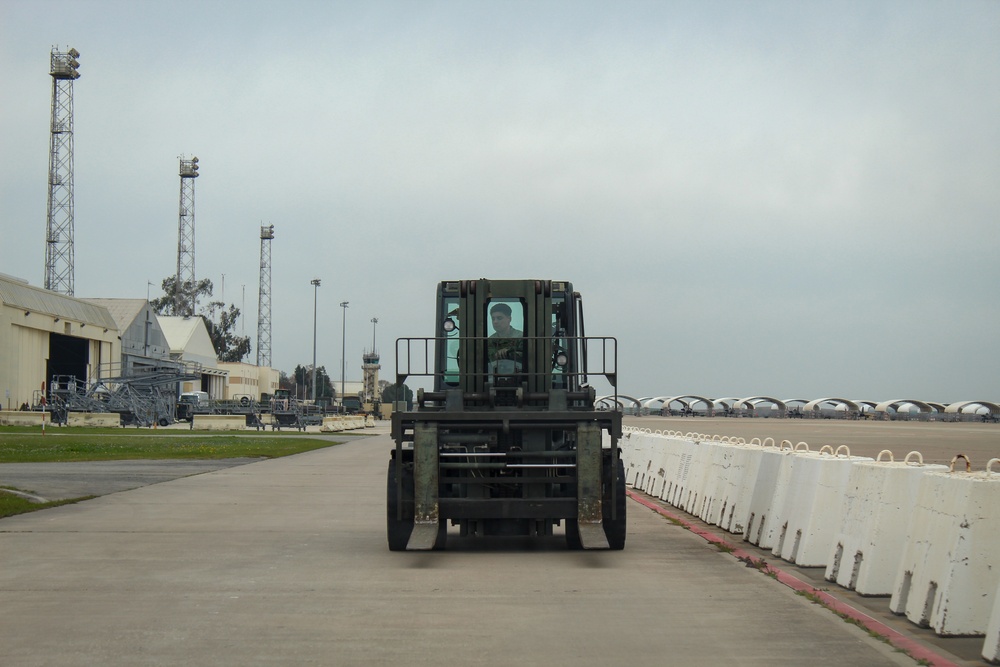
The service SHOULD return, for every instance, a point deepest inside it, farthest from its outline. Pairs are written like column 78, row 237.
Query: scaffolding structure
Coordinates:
column 59, row 269
column 264, row 298
column 140, row 399
column 184, row 290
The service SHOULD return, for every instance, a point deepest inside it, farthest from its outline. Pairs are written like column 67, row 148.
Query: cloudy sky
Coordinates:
column 794, row 199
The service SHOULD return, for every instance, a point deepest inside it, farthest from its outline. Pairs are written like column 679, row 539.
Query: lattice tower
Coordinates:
column 264, row 298
column 59, row 269
column 184, row 294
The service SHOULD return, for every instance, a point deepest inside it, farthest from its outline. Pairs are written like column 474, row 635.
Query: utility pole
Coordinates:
column 343, row 350
column 315, row 283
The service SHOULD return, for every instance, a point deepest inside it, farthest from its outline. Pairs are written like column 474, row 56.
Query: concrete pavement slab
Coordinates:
column 285, row 562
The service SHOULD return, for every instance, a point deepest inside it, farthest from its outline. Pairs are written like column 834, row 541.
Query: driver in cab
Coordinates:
column 502, row 343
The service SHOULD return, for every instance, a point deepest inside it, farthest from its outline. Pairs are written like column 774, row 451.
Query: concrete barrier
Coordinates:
column 763, row 492
column 734, row 495
column 677, row 467
column 991, row 647
column 717, row 484
column 19, row 418
column 947, row 576
column 804, row 524
column 342, row 423
column 94, row 419
column 631, row 453
column 219, row 422
column 877, row 504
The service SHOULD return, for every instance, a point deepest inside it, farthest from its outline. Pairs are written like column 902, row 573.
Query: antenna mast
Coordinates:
column 264, row 299
column 59, row 270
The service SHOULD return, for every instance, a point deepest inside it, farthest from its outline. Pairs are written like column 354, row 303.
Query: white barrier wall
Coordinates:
column 933, row 535
column 879, row 497
column 947, row 577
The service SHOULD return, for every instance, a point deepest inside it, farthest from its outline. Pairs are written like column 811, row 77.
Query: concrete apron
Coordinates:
column 285, row 562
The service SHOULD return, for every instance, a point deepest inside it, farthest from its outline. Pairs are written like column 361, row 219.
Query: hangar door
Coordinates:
column 67, row 356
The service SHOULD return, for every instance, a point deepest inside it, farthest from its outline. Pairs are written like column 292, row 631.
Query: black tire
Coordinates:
column 398, row 531
column 614, row 529
column 163, row 421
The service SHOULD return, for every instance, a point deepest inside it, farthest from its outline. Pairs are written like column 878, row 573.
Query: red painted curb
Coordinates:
column 896, row 639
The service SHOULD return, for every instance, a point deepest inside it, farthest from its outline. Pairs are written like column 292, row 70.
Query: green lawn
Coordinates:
column 95, row 445
column 28, row 445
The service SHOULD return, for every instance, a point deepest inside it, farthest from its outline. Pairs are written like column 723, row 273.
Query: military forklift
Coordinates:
column 509, row 441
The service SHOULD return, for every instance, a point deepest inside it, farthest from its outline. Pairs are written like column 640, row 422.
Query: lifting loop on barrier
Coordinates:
column 805, row 447
column 989, row 465
column 847, row 451
column 968, row 463
column 920, row 457
column 783, row 443
column 769, row 439
column 824, row 448
column 755, row 441
column 885, row 451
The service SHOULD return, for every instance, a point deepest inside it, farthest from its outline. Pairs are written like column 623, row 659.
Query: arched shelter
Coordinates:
column 958, row 408
column 694, row 400
column 849, row 405
column 883, row 407
column 753, row 401
column 619, row 401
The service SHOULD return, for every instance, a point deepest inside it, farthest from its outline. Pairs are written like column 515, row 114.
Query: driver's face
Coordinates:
column 500, row 321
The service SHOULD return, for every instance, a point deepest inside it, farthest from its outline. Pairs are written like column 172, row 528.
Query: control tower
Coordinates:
column 370, row 367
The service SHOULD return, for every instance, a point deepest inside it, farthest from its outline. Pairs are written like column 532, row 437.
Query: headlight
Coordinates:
column 561, row 359
column 449, row 325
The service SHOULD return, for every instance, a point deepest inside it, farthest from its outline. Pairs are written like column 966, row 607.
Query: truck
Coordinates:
column 192, row 403
column 505, row 437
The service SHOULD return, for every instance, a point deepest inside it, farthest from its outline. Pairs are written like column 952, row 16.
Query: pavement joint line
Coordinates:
column 897, row 640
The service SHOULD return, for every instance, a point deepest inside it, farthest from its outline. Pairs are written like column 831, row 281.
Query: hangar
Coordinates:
column 44, row 333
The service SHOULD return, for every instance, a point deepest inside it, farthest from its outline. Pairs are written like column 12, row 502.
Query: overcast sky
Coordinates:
column 793, row 199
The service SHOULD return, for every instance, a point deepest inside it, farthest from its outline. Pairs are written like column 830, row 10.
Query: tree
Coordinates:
column 219, row 320
column 303, row 377
column 228, row 346
column 167, row 304
column 390, row 393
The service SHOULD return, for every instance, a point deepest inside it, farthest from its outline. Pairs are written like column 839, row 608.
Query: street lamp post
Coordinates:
column 315, row 283
column 343, row 352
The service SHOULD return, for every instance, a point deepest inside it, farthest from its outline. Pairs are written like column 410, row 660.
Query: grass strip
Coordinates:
column 11, row 504
column 33, row 448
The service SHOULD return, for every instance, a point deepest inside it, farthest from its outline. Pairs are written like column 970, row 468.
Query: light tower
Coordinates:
column 184, row 294
column 264, row 298
column 370, row 368
column 59, row 271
